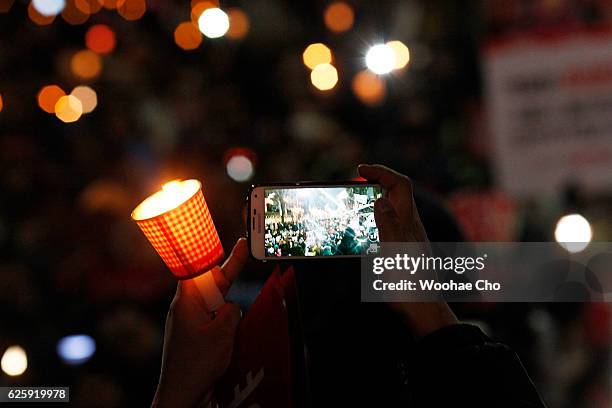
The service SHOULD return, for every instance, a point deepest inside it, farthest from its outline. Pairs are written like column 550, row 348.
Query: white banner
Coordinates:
column 549, row 100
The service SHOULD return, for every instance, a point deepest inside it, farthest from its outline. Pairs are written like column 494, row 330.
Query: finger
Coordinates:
column 398, row 186
column 232, row 266
column 188, row 302
column 389, row 225
column 389, row 179
column 226, row 321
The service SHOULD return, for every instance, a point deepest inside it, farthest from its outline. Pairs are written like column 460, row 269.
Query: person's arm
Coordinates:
column 198, row 348
column 453, row 364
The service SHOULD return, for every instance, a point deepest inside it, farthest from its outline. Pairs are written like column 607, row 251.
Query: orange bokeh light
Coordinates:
column 197, row 8
column 239, row 24
column 88, row 6
column 339, row 17
column 187, row 36
column 5, row 5
column 101, row 39
column 132, row 9
column 1, row 103
column 86, row 64
column 48, row 97
column 112, row 4
column 68, row 109
column 73, row 15
column 316, row 54
column 369, row 88
column 38, row 18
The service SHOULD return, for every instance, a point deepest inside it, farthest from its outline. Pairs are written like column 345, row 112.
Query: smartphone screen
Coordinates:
column 319, row 221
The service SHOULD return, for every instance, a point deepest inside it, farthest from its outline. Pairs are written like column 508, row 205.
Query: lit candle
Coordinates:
column 176, row 221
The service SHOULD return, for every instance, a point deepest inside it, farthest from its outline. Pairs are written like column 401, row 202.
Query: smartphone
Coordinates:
column 311, row 220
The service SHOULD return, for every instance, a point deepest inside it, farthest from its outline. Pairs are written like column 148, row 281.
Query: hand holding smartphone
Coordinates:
column 308, row 220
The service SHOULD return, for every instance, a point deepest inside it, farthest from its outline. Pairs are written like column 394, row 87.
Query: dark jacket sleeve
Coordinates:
column 459, row 366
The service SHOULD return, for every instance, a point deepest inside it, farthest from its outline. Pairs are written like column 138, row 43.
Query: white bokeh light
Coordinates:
column 213, row 23
column 76, row 349
column 240, row 168
column 14, row 361
column 573, row 232
column 380, row 59
column 49, row 7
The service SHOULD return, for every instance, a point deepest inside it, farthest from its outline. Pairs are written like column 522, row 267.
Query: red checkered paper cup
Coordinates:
column 176, row 221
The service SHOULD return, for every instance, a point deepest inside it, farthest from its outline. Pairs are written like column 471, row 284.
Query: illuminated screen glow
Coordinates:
column 320, row 221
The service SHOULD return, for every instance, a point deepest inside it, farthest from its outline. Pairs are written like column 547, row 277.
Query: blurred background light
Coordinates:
column 76, row 349
column 68, row 109
column 316, row 54
column 573, row 232
column 72, row 15
column 239, row 24
column 198, row 7
column 49, row 7
column 14, row 361
column 240, row 168
column 87, row 96
column 368, row 88
column 380, row 59
column 48, row 97
column 5, row 5
column 402, row 54
column 100, row 38
column 38, row 18
column 1, row 103
column 324, row 77
column 213, row 23
column 339, row 17
column 86, row 64
column 132, row 9
column 187, row 36
column 88, row 6
column 112, row 4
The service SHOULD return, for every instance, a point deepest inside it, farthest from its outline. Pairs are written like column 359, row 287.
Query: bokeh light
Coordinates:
column 100, row 38
column 14, row 361
column 339, row 17
column 48, row 97
column 88, row 6
column 213, row 23
column 112, row 4
column 87, row 96
column 76, row 349
column 369, row 88
column 132, row 9
column 38, row 18
column 68, row 109
column 49, row 7
column 380, row 59
column 72, row 15
column 198, row 7
column 402, row 54
column 86, row 64
column 324, row 77
column 1, row 103
column 573, row 232
column 240, row 168
column 5, row 5
column 316, row 54
column 187, row 36
column 239, row 24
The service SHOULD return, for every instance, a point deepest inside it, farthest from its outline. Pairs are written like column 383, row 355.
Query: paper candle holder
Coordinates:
column 176, row 221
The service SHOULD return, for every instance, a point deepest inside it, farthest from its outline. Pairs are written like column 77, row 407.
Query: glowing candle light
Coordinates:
column 176, row 221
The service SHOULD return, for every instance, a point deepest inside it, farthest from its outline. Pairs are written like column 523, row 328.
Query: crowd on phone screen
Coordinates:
column 333, row 236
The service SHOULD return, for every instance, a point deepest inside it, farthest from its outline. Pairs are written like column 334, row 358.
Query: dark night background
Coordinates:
column 72, row 261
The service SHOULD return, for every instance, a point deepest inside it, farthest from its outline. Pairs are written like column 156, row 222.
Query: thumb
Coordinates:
column 387, row 221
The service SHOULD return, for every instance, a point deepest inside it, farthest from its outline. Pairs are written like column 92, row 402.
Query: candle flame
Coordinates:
column 172, row 195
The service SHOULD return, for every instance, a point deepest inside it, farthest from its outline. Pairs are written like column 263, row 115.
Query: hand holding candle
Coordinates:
column 176, row 221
